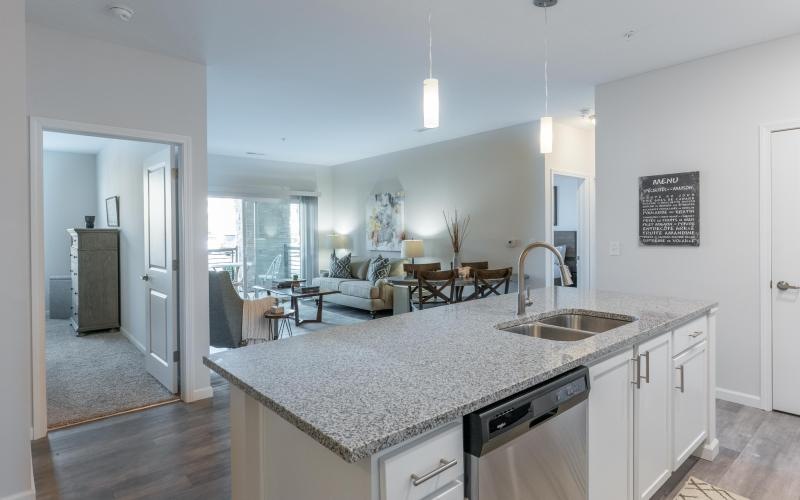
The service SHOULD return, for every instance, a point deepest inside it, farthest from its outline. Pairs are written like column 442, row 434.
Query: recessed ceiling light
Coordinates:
column 122, row 12
column 629, row 34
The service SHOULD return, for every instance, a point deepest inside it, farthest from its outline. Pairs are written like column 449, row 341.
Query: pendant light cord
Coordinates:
column 430, row 43
column 546, row 57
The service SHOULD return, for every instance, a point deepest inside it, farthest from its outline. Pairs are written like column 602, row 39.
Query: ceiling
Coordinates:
column 74, row 143
column 325, row 82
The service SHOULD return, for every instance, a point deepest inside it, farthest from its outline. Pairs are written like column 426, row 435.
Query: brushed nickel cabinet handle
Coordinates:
column 444, row 464
column 647, row 367
column 682, row 387
column 696, row 334
column 638, row 375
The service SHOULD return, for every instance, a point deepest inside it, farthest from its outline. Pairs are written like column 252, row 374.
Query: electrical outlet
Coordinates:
column 613, row 248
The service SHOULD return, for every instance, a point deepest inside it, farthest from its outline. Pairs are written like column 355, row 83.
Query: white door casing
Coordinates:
column 159, row 278
column 785, row 270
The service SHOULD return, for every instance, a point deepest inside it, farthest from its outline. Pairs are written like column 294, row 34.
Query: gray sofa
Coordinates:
column 357, row 292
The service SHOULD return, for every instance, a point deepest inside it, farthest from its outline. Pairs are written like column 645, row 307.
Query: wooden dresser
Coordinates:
column 94, row 267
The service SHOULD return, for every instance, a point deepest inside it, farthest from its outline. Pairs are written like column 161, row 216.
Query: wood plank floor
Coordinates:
column 181, row 451
column 759, row 456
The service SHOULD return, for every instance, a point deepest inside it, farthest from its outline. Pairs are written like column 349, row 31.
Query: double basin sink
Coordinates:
column 568, row 327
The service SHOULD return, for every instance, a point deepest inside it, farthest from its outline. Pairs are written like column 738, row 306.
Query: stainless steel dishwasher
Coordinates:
column 531, row 446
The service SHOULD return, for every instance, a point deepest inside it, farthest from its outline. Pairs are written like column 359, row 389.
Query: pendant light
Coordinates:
column 546, row 121
column 430, row 87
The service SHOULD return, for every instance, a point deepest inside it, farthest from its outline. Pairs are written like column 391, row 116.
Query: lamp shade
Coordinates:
column 546, row 135
column 411, row 249
column 430, row 103
column 340, row 241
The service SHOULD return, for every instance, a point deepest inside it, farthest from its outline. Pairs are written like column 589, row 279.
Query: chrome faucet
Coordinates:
column 524, row 294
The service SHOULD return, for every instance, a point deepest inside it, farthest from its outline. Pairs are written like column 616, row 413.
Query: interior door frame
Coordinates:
column 765, row 252
column 586, row 222
column 186, row 287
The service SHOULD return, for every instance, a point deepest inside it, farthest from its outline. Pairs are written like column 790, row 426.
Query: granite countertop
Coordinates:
column 362, row 388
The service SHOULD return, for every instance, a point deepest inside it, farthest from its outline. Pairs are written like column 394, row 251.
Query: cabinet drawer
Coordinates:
column 430, row 453
column 453, row 491
column 689, row 335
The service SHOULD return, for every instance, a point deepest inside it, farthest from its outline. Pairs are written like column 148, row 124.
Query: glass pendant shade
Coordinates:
column 430, row 103
column 546, row 135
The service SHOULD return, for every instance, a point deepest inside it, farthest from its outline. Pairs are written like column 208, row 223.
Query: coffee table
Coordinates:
column 295, row 295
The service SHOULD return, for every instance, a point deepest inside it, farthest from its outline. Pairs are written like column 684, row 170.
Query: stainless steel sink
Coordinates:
column 549, row 332
column 568, row 327
column 584, row 322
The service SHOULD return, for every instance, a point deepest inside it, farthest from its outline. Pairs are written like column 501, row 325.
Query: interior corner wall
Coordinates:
column 70, row 186
column 86, row 80
column 15, row 298
column 703, row 115
column 495, row 177
column 120, row 173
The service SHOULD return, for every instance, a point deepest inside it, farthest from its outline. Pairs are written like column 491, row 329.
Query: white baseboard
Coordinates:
column 198, row 394
column 24, row 495
column 739, row 397
column 133, row 340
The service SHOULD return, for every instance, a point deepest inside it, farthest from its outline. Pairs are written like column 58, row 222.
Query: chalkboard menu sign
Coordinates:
column 669, row 209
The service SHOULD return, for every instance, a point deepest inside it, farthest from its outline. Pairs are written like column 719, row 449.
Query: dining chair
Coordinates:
column 413, row 269
column 489, row 281
column 431, row 287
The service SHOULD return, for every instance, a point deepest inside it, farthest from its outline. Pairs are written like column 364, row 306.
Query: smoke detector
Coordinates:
column 123, row 12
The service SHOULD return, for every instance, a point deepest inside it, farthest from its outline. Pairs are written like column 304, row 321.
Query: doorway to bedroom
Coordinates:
column 109, row 216
column 569, row 226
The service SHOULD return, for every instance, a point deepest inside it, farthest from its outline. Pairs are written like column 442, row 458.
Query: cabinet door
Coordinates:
column 453, row 491
column 652, row 429
column 610, row 431
column 689, row 402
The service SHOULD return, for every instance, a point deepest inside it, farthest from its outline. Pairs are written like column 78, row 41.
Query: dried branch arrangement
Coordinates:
column 457, row 229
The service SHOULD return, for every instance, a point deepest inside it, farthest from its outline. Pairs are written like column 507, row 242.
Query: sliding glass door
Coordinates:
column 274, row 239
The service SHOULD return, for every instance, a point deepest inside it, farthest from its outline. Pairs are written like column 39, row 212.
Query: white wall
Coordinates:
column 254, row 177
column 703, row 115
column 15, row 356
column 70, row 185
column 119, row 173
column 82, row 79
column 495, row 177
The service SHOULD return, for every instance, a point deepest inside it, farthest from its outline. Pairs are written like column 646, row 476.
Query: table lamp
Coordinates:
column 339, row 241
column 411, row 249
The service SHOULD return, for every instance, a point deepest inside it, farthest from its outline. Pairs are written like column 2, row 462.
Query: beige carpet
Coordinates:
column 695, row 488
column 95, row 375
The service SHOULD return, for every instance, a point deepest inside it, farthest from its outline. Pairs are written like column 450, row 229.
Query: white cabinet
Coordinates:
column 689, row 402
column 431, row 467
column 610, row 431
column 648, row 411
column 652, row 414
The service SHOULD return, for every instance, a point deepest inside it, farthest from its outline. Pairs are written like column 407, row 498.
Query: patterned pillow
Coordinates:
column 340, row 267
column 378, row 269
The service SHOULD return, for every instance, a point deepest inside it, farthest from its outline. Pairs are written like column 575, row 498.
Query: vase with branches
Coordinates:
column 457, row 230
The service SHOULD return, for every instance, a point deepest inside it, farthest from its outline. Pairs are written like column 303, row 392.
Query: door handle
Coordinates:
column 145, row 277
column 782, row 285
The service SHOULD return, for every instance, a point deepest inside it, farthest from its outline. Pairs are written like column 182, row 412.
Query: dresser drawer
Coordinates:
column 689, row 335
column 421, row 459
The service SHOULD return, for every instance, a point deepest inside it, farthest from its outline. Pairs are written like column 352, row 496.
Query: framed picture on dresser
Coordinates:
column 112, row 211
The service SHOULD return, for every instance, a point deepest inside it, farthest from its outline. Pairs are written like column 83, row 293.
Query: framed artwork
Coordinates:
column 385, row 219
column 112, row 211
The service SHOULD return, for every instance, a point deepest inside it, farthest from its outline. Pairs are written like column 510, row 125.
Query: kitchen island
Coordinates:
column 333, row 414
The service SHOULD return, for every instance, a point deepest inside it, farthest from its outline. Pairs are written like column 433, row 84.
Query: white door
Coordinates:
column 610, row 431
column 160, row 280
column 786, row 270
column 652, row 416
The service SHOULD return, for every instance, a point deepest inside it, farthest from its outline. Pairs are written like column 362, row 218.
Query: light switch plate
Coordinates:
column 613, row 248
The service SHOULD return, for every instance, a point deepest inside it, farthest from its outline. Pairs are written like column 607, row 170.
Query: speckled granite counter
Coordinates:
column 362, row 388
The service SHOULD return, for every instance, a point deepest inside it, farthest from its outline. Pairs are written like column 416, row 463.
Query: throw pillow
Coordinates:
column 378, row 269
column 340, row 267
